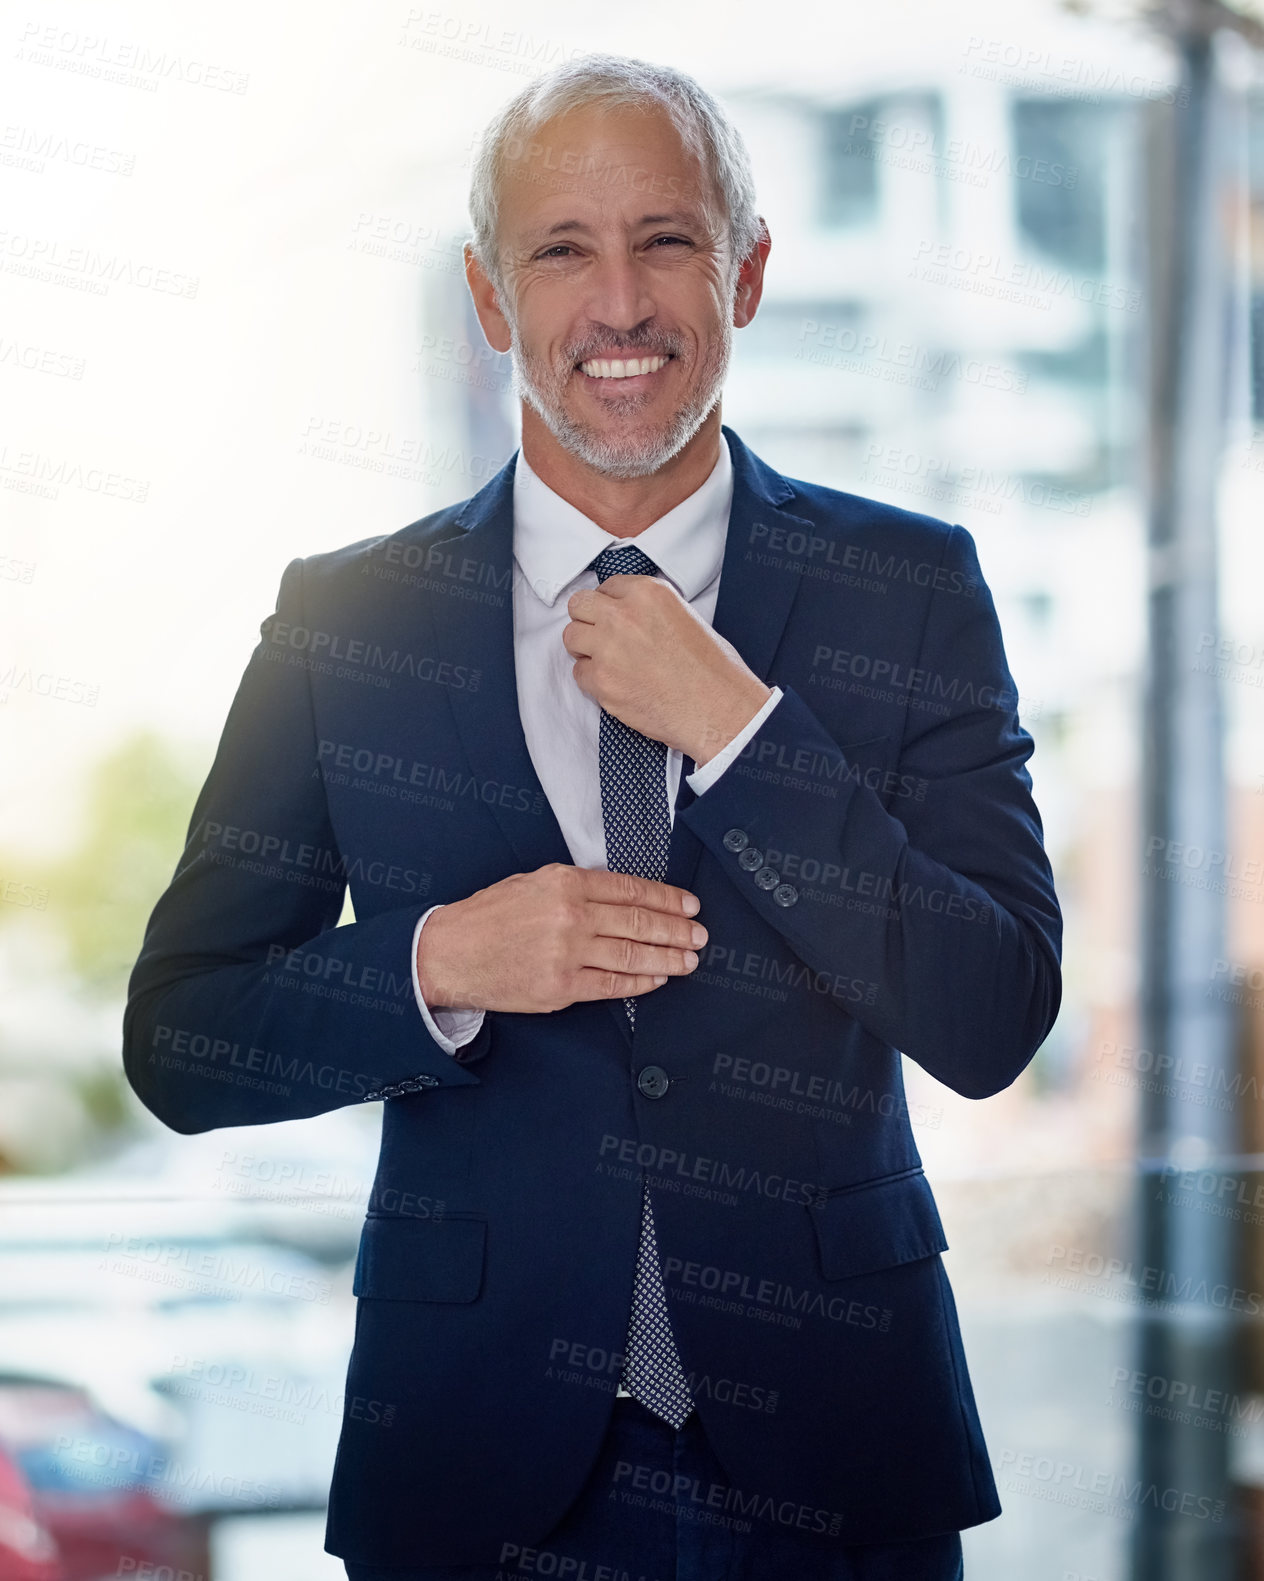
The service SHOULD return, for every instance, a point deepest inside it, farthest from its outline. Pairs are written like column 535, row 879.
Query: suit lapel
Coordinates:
column 752, row 607
column 477, row 556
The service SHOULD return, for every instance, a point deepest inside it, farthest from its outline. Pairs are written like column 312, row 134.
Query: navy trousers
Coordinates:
column 657, row 1507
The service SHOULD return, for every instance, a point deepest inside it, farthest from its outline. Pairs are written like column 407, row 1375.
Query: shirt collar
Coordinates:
column 554, row 542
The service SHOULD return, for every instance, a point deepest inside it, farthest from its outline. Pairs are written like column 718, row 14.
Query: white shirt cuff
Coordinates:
column 451, row 1029
column 702, row 779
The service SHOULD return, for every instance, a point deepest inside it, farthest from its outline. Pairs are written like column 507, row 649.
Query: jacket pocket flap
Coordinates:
column 880, row 1224
column 420, row 1259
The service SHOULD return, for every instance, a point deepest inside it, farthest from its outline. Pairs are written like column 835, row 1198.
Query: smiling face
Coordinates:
column 619, row 299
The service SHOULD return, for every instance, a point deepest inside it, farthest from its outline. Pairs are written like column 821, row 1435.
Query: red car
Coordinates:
column 93, row 1488
column 27, row 1549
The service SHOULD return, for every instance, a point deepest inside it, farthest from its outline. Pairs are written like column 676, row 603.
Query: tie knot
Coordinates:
column 624, row 560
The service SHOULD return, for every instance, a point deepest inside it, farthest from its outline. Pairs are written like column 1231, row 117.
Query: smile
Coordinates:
column 620, row 368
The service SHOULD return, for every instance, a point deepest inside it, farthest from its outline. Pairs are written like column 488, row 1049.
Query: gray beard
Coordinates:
column 637, row 455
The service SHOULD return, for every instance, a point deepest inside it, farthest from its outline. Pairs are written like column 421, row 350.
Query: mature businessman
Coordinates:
column 678, row 800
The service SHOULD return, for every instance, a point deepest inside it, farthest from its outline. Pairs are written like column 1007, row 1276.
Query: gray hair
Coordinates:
column 616, row 81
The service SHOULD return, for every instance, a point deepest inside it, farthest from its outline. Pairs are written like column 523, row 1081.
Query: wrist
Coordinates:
column 432, row 974
column 724, row 724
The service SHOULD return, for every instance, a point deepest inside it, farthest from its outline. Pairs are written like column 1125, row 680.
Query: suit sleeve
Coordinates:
column 947, row 908
column 248, row 1004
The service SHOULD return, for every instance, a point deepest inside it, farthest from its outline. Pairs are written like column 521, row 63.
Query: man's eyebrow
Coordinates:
column 682, row 217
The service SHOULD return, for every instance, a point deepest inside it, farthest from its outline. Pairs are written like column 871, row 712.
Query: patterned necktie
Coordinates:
column 638, row 830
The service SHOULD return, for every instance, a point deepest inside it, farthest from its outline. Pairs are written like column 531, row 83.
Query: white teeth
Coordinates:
column 617, row 368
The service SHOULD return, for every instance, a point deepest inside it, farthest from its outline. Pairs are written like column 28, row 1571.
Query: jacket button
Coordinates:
column 653, row 1081
column 785, row 894
column 736, row 840
column 767, row 877
column 751, row 858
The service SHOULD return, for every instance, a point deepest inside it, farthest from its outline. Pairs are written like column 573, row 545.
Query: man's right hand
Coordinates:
column 544, row 940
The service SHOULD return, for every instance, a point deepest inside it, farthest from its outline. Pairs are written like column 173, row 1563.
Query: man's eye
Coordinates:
column 679, row 239
column 558, row 247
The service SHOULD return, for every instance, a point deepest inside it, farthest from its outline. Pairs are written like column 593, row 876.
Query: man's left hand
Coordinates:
column 648, row 659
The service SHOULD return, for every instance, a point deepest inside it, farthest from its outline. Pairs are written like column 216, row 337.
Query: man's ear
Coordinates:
column 750, row 279
column 486, row 305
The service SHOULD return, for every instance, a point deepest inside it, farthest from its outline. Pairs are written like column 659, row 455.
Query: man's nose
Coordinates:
column 619, row 294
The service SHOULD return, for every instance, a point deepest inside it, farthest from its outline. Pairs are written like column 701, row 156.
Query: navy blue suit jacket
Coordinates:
column 873, row 879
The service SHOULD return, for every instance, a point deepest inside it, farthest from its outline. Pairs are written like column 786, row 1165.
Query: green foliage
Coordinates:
column 101, row 892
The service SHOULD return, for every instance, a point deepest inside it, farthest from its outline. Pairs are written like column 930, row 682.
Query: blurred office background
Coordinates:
column 1017, row 281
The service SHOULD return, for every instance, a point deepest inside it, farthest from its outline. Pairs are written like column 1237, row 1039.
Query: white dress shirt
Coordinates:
column 554, row 544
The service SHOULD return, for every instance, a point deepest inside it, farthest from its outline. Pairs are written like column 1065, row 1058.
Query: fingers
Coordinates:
column 582, row 604
column 631, row 933
column 594, row 983
column 626, row 889
column 644, row 925
column 628, row 958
